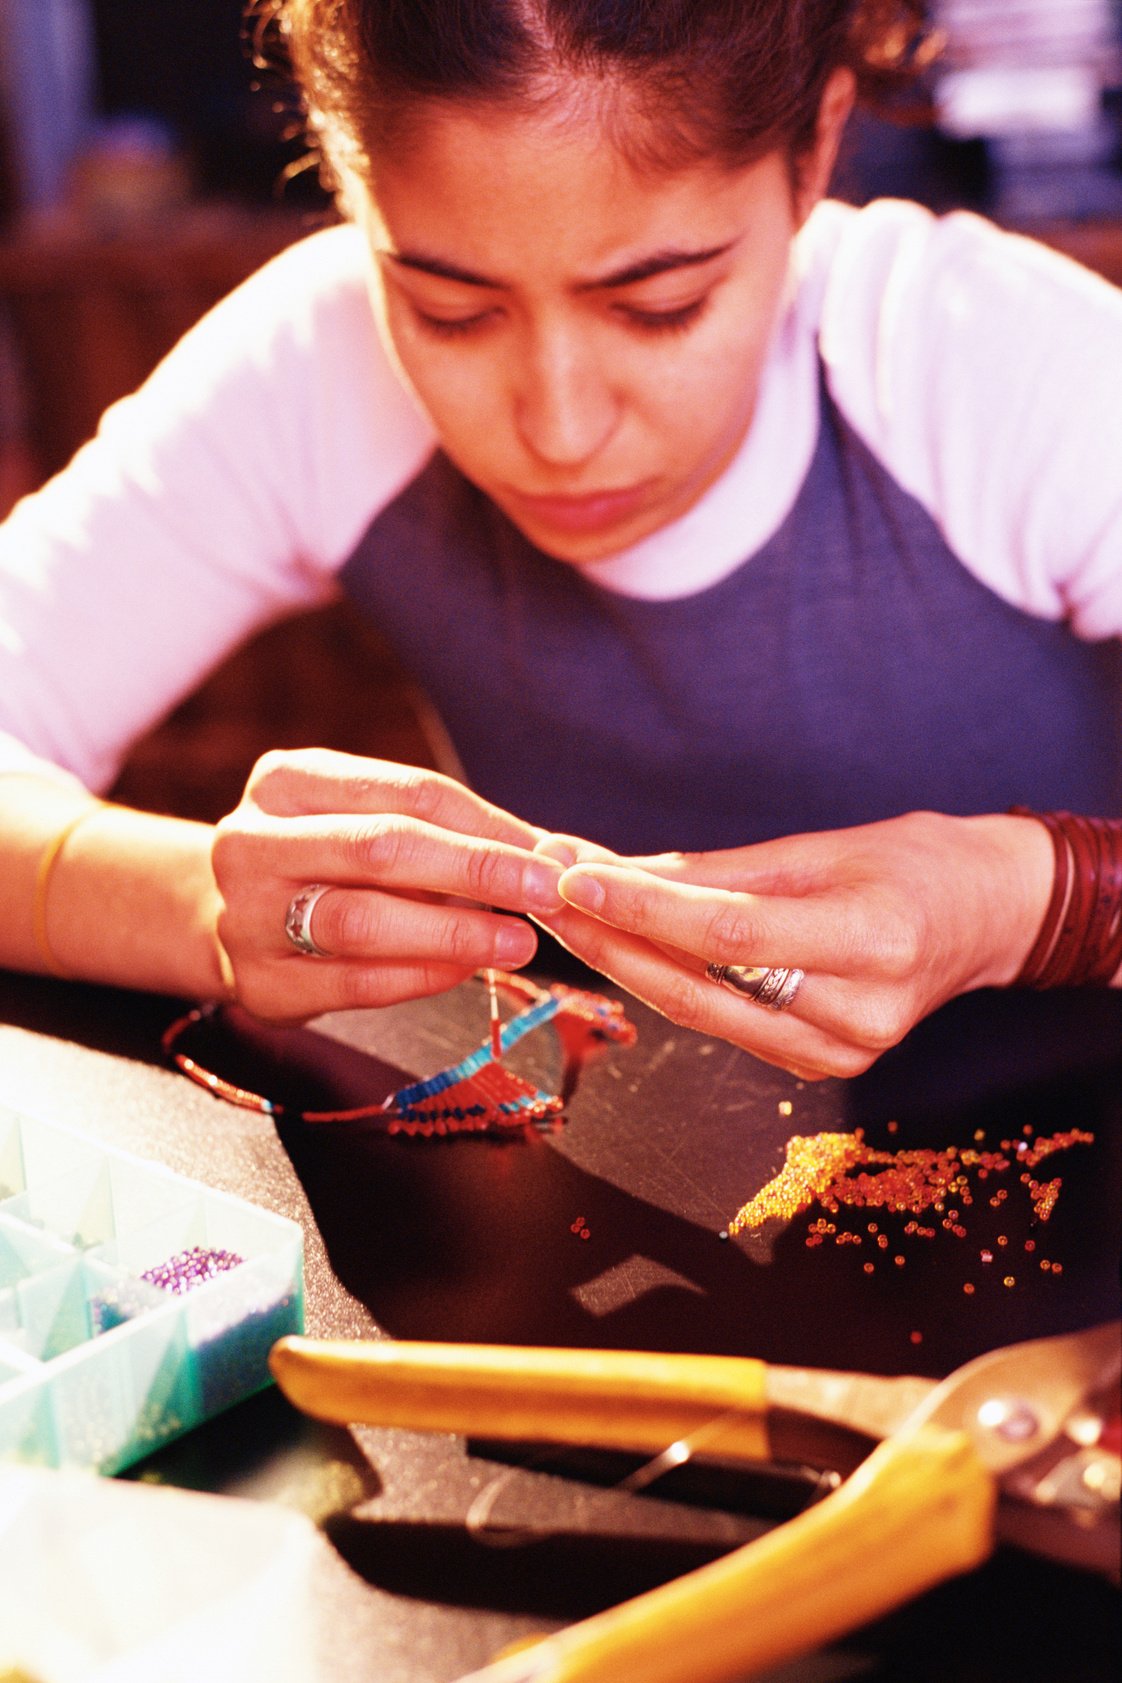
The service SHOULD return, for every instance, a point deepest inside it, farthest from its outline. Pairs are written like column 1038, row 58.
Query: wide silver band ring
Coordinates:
column 298, row 920
column 771, row 986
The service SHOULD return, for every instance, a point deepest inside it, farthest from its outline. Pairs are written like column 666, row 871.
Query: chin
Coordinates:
column 584, row 555
column 585, row 549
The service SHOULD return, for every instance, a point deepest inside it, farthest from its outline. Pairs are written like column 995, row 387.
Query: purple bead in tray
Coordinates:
column 190, row 1268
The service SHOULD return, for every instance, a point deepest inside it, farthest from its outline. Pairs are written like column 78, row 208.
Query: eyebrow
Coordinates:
column 658, row 263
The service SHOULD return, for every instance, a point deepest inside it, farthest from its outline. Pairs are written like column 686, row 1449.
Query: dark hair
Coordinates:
column 721, row 79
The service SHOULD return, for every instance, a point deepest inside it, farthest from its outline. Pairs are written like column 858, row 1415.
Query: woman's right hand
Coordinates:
column 401, row 850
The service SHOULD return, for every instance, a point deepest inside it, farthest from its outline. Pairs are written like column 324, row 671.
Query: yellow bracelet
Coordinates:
column 43, row 881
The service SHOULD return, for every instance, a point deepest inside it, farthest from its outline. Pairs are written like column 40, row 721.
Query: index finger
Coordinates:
column 308, row 781
column 785, row 865
column 718, row 925
column 401, row 853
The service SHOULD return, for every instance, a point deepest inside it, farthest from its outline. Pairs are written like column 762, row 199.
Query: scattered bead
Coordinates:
column 968, row 1289
column 1009, row 1280
column 785, row 1107
column 915, row 1338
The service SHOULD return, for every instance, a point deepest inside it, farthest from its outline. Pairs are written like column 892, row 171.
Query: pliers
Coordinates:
column 1020, row 1444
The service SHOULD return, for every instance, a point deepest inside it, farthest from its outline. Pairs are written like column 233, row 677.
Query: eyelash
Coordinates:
column 454, row 329
column 645, row 321
column 665, row 321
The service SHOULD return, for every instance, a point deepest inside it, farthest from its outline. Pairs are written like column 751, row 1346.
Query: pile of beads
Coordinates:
column 813, row 1164
column 190, row 1268
column 841, row 1172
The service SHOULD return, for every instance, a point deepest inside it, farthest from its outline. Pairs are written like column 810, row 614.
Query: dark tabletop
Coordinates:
column 477, row 1237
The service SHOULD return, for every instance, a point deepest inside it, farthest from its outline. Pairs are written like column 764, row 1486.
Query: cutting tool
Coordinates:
column 1020, row 1444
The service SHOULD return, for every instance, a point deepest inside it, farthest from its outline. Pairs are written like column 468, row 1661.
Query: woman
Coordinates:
column 711, row 513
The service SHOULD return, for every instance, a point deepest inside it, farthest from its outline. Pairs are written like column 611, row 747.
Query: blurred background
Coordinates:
column 147, row 166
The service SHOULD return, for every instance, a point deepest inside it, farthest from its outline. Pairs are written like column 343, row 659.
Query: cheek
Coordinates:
column 441, row 387
column 730, row 354
column 709, row 392
column 453, row 387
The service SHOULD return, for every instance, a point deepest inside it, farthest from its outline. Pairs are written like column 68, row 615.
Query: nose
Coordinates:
column 566, row 409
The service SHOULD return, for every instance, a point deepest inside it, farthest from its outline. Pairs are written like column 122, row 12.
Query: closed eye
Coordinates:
column 451, row 327
column 663, row 321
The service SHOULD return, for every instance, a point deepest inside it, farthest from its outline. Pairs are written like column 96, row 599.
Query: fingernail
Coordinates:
column 564, row 852
column 581, row 888
column 515, row 943
column 539, row 886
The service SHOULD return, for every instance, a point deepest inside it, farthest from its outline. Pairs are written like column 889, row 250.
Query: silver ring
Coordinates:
column 298, row 919
column 771, row 986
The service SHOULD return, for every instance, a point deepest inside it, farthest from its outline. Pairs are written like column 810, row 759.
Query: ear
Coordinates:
column 816, row 166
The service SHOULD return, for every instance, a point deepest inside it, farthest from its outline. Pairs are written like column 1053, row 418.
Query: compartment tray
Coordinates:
column 134, row 1302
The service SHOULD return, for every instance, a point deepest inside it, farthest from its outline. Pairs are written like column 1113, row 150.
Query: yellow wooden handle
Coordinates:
column 919, row 1510
column 618, row 1399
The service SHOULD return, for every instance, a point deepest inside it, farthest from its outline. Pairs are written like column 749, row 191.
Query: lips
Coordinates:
column 593, row 511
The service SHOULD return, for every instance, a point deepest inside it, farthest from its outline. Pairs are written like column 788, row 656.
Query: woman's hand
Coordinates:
column 400, row 849
column 887, row 921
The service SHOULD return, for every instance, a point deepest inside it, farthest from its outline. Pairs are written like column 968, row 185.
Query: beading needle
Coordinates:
column 496, row 1019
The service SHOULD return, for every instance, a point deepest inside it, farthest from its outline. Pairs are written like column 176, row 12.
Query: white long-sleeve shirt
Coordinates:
column 982, row 371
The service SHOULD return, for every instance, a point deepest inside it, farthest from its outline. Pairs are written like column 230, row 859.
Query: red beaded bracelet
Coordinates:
column 1080, row 939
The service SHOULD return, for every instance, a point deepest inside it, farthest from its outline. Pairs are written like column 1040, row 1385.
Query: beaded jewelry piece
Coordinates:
column 472, row 1096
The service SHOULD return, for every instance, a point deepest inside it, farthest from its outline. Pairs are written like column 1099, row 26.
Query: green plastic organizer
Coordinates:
column 98, row 1367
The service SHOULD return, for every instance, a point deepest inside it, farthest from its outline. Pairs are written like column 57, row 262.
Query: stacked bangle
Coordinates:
column 1080, row 940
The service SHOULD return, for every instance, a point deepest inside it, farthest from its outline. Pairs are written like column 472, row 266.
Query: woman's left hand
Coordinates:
column 886, row 920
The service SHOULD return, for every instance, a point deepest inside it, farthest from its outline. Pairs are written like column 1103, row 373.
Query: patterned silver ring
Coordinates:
column 298, row 920
column 771, row 986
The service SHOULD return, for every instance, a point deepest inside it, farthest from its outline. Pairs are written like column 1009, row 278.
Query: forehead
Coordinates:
column 548, row 190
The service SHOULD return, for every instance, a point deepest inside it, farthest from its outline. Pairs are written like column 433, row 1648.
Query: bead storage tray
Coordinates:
column 100, row 1365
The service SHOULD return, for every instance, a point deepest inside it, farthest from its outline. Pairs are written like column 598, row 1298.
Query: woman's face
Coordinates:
column 587, row 340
